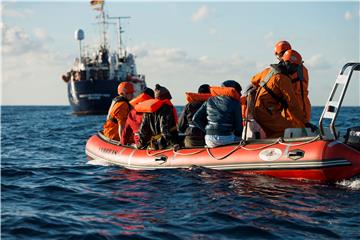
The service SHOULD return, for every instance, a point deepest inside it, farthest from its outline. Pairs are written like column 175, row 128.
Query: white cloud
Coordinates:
column 41, row 34
column 181, row 71
column 8, row 12
column 25, row 56
column 318, row 61
column 200, row 14
column 348, row 16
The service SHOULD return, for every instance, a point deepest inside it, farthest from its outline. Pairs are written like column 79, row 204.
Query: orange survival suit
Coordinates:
column 275, row 95
column 300, row 83
column 117, row 115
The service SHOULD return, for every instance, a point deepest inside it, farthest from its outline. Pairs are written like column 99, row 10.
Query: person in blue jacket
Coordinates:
column 220, row 116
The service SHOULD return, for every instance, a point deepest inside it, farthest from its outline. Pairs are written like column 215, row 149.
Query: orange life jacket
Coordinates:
column 244, row 110
column 225, row 91
column 152, row 105
column 141, row 98
column 194, row 97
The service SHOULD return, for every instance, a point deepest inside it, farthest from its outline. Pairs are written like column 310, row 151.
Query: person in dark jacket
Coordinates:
column 158, row 128
column 220, row 117
column 194, row 136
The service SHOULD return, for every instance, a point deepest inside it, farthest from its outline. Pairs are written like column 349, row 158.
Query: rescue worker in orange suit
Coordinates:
column 299, row 79
column 159, row 125
column 194, row 136
column 275, row 95
column 130, row 134
column 118, row 111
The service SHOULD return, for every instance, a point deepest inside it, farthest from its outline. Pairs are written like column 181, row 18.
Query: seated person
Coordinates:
column 220, row 117
column 118, row 111
column 130, row 133
column 158, row 128
column 194, row 136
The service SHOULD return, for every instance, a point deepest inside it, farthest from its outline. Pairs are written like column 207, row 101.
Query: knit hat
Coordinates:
column 233, row 84
column 149, row 92
column 205, row 88
column 162, row 92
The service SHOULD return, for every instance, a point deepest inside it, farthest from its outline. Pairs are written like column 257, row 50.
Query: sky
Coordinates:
column 180, row 45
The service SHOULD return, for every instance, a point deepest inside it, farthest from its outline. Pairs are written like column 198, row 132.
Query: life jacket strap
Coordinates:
column 155, row 138
column 266, row 79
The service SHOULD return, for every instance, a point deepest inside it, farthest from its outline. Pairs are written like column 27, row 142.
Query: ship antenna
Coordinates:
column 119, row 32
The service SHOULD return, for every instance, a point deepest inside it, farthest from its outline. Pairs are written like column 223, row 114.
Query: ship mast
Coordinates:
column 119, row 32
column 98, row 5
column 103, row 24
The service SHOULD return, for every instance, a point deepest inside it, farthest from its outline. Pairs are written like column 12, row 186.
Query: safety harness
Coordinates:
column 114, row 101
column 300, row 78
column 273, row 70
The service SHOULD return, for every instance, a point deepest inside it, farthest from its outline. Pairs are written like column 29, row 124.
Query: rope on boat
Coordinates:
column 263, row 147
column 226, row 155
column 156, row 153
column 240, row 145
column 299, row 144
column 187, row 154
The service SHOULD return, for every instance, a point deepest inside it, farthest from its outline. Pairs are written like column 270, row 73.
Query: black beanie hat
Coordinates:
column 162, row 92
column 149, row 92
column 205, row 88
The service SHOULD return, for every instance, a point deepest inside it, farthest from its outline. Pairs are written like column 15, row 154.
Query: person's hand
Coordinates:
column 176, row 147
column 313, row 127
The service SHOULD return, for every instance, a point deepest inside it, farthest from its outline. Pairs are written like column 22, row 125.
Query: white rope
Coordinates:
column 300, row 144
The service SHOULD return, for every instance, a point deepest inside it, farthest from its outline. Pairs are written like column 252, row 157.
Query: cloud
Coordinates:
column 318, row 61
column 24, row 13
column 41, row 34
column 348, row 16
column 200, row 14
column 181, row 71
column 24, row 55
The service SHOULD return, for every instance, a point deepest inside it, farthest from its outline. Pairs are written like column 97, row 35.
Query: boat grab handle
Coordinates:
column 161, row 158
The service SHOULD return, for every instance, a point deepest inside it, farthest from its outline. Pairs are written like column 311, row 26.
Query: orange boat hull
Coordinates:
column 319, row 160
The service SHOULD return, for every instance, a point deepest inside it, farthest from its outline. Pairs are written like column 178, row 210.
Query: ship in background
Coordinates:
column 93, row 80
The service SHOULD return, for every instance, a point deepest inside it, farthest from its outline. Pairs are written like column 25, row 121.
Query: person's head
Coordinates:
column 205, row 88
column 280, row 48
column 149, row 92
column 126, row 89
column 292, row 60
column 233, row 84
column 146, row 94
column 162, row 93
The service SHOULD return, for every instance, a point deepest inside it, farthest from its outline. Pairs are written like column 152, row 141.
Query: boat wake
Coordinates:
column 99, row 162
column 352, row 184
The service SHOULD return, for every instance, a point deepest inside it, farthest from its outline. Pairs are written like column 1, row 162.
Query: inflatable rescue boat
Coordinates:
column 323, row 157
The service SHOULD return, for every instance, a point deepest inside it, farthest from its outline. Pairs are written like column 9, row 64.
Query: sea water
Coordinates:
column 49, row 191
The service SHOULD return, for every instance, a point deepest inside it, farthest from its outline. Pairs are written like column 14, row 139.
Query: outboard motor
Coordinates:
column 352, row 137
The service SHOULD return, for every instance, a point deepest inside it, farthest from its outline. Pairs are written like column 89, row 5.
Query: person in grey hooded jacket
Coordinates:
column 220, row 117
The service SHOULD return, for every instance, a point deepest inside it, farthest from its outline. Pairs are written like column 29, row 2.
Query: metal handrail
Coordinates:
column 329, row 107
